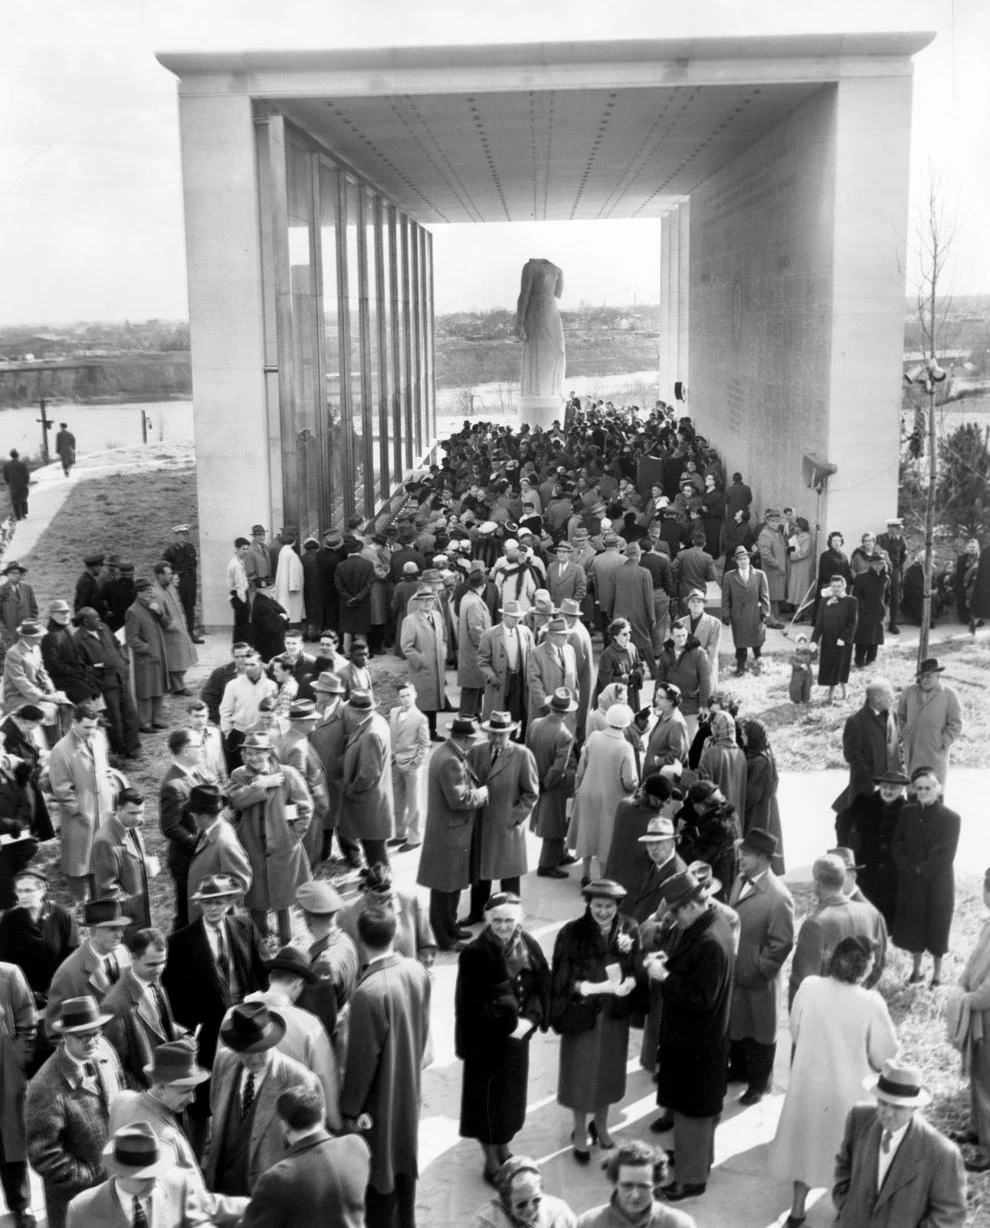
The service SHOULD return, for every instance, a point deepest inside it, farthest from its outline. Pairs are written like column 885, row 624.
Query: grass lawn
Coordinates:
column 131, row 513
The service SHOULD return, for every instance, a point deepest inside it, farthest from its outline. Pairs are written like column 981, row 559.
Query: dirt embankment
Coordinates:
column 117, row 377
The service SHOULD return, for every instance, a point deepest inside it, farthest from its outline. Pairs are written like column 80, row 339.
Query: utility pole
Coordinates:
column 45, row 426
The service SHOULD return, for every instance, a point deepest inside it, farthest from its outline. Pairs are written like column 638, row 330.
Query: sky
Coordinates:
column 91, row 195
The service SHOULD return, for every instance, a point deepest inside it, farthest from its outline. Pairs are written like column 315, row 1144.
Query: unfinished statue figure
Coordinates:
column 539, row 328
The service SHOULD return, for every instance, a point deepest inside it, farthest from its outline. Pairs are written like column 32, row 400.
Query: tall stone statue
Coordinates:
column 540, row 329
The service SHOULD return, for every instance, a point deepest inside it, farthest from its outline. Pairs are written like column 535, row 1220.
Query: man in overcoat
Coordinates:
column 551, row 744
column 684, row 663
column 18, row 1024
column 93, row 966
column 706, row 629
column 894, row 1169
column 145, row 624
column 120, row 863
column 870, row 743
column 766, row 936
column 272, row 810
column 579, row 638
column 389, row 1029
column 328, row 740
column 633, row 601
column 773, row 556
column 366, row 808
column 213, row 964
column 140, row 1014
column 503, row 658
column 930, row 717
column 68, row 1104
column 17, row 599
column 83, row 785
column 454, row 797
column 473, row 620
column 745, row 607
column 217, row 849
column 100, row 650
column 179, row 651
column 249, row 1075
column 319, row 1179
column 552, row 664
column 696, row 987
column 565, row 578
column 424, row 645
column 508, row 770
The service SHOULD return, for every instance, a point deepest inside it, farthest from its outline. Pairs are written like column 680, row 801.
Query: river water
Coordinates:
column 98, row 428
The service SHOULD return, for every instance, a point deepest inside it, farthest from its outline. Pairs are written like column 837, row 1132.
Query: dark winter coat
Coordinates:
column 353, row 579
column 581, row 953
column 689, row 669
column 872, row 592
column 746, row 604
column 835, row 620
column 67, row 669
column 924, row 848
column 694, row 1022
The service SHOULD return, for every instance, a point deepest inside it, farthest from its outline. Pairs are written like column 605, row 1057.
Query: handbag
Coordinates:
column 577, row 1016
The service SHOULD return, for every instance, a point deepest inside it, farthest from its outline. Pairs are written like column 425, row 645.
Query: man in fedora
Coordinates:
column 272, row 811
column 68, row 1105
column 766, row 936
column 658, row 859
column 835, row 917
column 291, row 744
column 319, row 1179
column 328, row 740
column 257, row 561
column 565, row 578
column 892, row 543
column 141, row 1189
column 424, row 645
column 173, row 1077
column 551, row 744
column 695, row 981
column 367, row 808
column 187, row 770
column 473, row 620
column 217, row 850
column 89, row 586
column 25, row 679
column 17, row 599
column 305, row 1039
column 930, row 717
column 894, row 1169
column 454, row 796
column 552, row 664
column 96, row 964
column 102, row 653
column 503, row 658
column 508, row 770
column 333, row 957
column 870, row 742
column 382, row 1081
column 249, row 1075
column 868, row 825
column 121, row 866
column 213, row 964
column 141, row 1015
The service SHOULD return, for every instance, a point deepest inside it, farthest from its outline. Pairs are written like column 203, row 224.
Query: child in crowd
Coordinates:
column 801, row 657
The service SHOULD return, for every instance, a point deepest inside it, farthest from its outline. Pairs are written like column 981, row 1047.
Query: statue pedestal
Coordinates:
column 541, row 411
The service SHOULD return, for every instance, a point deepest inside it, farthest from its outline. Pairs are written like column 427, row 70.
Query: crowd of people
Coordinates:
column 200, row 1066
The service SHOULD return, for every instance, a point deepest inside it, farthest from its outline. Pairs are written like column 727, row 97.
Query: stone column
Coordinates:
column 223, row 257
column 683, row 289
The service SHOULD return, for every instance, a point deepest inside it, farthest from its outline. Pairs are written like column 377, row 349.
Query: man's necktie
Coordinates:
column 247, row 1095
column 163, row 1014
column 89, row 1070
column 140, row 1219
column 223, row 963
column 885, row 1142
column 495, row 755
column 113, row 968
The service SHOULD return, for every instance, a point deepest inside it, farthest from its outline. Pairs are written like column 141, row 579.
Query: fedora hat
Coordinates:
column 604, row 889
column 103, row 914
column 891, row 778
column 319, row 897
column 740, row 552
column 13, row 566
column 361, row 701
column 79, row 1015
column 205, row 799
column 543, row 603
column 702, row 871
column 569, row 608
column 757, row 840
column 252, row 1028
column 303, row 710
column 564, row 544
column 846, row 856
column 900, row 1084
column 499, row 722
column 93, row 560
column 580, row 534
column 216, row 887
column 659, row 828
column 681, row 889
column 291, row 959
column 562, row 701
column 30, row 629
column 557, row 626
column 134, row 1152
column 930, row 665
column 174, row 1063
column 256, row 740
column 512, row 608
column 463, row 726
column 329, row 684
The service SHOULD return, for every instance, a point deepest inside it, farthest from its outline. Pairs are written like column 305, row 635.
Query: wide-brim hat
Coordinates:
column 328, row 683
column 557, row 625
column 562, row 701
column 256, row 740
column 757, row 840
column 846, row 856
column 702, row 871
column 463, row 726
column 319, row 897
column 500, row 722
column 660, row 828
column 512, row 608
column 891, row 778
column 581, row 534
column 30, row 629
column 13, row 566
column 569, row 608
column 174, row 1063
column 604, row 889
column 205, row 799
column 216, row 887
column 361, row 701
column 134, row 1151
column 544, row 605
column 79, row 1015
column 740, row 552
column 104, row 914
column 291, row 959
column 899, row 1084
column 681, row 889
column 930, row 665
column 303, row 710
column 252, row 1028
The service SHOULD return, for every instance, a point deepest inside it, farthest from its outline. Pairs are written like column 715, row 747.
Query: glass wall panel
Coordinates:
column 416, row 341
column 333, row 422
column 424, row 331
column 386, row 344
column 406, row 338
column 372, row 353
column 431, row 392
column 354, row 404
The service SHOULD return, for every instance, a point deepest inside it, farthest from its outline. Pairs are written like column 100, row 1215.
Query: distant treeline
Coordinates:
column 116, row 377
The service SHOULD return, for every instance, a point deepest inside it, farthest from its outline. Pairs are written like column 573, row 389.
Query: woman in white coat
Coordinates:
column 606, row 775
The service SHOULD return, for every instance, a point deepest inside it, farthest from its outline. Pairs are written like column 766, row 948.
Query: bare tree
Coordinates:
column 933, row 235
